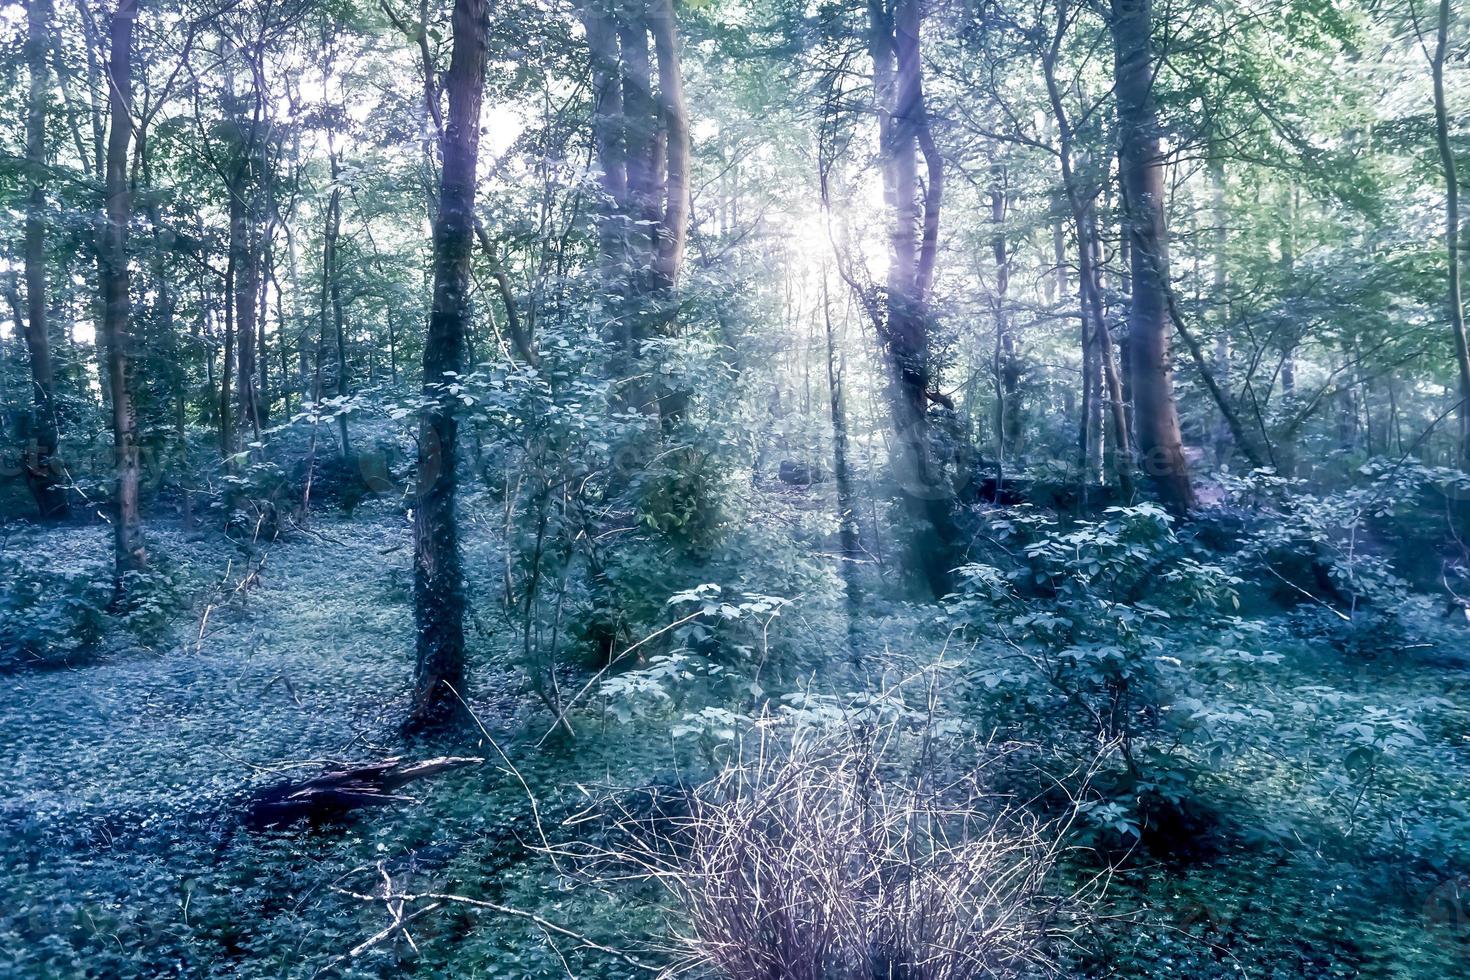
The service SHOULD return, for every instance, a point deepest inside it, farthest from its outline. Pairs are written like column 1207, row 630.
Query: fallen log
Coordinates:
column 333, row 794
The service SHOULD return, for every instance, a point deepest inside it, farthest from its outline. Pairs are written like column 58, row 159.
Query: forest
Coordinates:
column 734, row 489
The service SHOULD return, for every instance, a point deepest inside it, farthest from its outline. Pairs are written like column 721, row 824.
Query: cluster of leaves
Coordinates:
column 1101, row 636
column 1335, row 556
column 50, row 616
column 709, row 680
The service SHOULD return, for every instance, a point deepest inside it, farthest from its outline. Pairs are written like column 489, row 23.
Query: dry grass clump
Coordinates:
column 839, row 856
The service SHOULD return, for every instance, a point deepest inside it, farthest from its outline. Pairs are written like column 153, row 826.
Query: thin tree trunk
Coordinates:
column 245, row 253
column 847, row 529
column 640, row 135
column 1286, row 454
column 1219, row 233
column 607, row 135
column 96, row 85
column 674, row 182
column 1098, row 365
column 333, row 282
column 43, row 467
column 1452, row 228
column 128, row 548
column 1229, row 417
column 263, row 358
column 227, row 365
column 1008, row 362
column 674, row 225
column 167, row 331
column 438, row 578
column 1155, row 418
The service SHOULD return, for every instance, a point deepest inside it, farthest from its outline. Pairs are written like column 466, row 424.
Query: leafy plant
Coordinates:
column 50, row 616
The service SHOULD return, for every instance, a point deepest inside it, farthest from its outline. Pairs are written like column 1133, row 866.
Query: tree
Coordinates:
column 642, row 140
column 913, row 239
column 1453, row 298
column 246, row 173
column 673, row 224
column 129, row 552
column 1141, row 176
column 42, row 466
column 439, row 600
column 847, row 526
column 1099, row 367
column 1007, row 361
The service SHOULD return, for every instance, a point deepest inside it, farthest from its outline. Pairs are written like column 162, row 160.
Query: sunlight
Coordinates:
column 756, row 490
column 502, row 125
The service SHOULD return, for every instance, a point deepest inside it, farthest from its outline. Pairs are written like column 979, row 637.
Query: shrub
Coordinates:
column 1109, row 633
column 50, row 616
column 833, row 855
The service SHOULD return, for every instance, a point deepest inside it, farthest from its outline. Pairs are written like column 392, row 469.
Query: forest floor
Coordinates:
column 124, row 854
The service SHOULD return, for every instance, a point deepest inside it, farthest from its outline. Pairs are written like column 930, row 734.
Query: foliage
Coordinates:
column 49, row 617
column 1248, row 719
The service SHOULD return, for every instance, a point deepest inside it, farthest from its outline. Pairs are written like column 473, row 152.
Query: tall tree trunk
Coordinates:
column 1098, row 365
column 641, row 137
column 438, row 578
column 1286, row 448
column 1007, row 366
column 673, row 226
column 1155, row 418
column 267, row 278
column 640, row 134
column 331, row 314
column 245, row 255
column 608, row 140
column 128, row 549
column 1111, row 382
column 1220, row 235
column 674, row 223
column 166, row 330
column 344, row 381
column 847, row 528
column 903, row 329
column 1453, row 298
column 227, row 365
column 43, row 467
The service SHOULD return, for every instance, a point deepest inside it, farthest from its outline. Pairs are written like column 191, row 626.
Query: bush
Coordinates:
column 834, row 855
column 1109, row 633
column 50, row 617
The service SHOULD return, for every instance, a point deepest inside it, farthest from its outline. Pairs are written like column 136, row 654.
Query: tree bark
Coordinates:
column 903, row 328
column 1141, row 166
column 43, row 467
column 439, row 601
column 673, row 227
column 129, row 552
column 640, row 135
column 227, row 365
column 1008, row 361
column 847, row 528
column 331, row 300
column 334, row 238
column 245, row 252
column 1453, row 297
column 263, row 359
column 608, row 140
column 1220, row 238
column 166, row 330
column 642, row 141
column 1098, row 364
